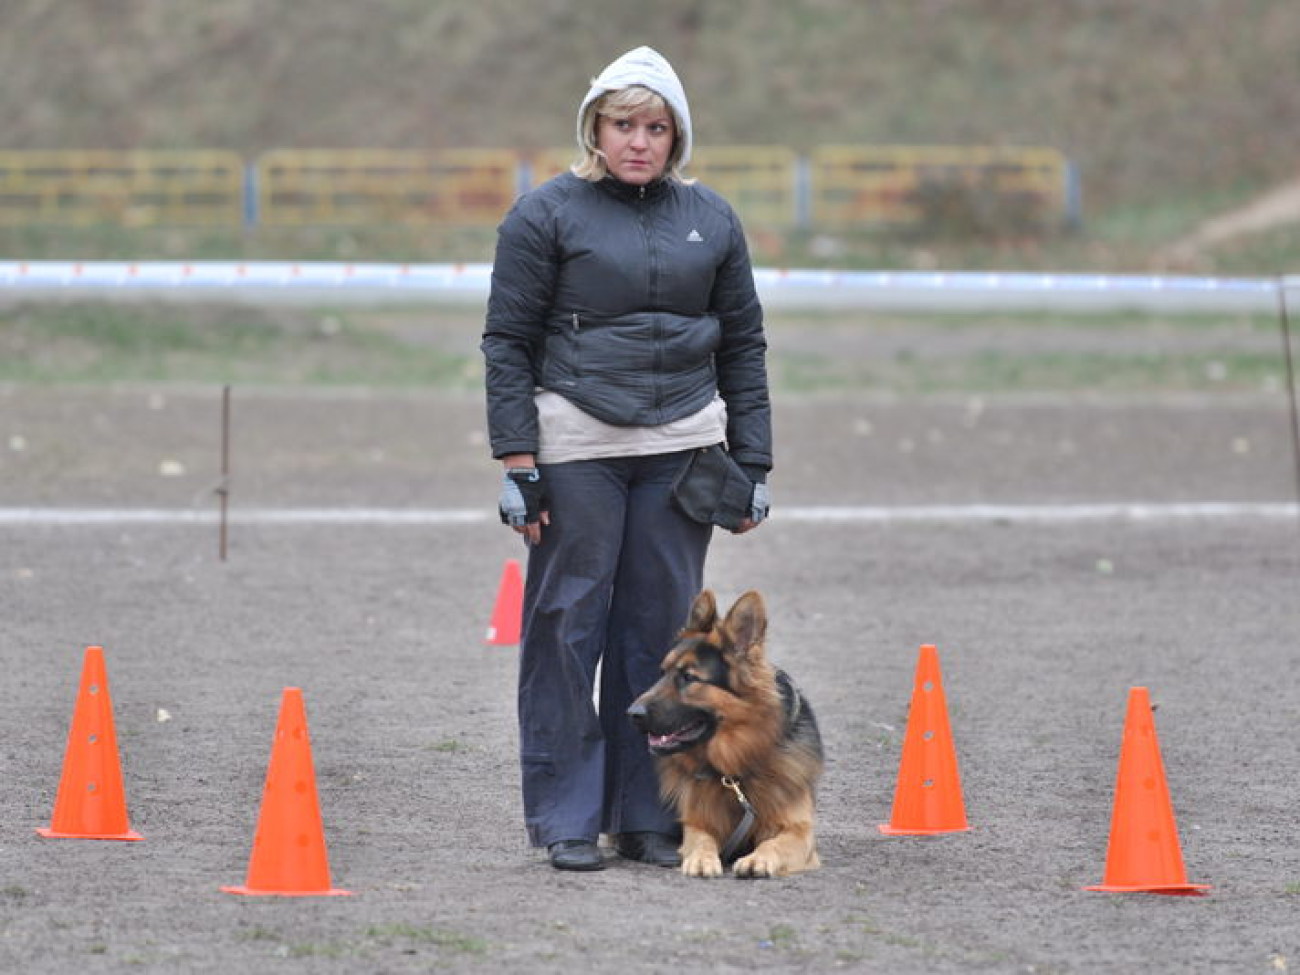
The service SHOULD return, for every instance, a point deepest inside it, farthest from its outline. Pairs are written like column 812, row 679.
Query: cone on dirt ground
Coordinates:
column 1143, row 855
column 289, row 857
column 91, row 801
column 506, row 626
column 927, row 798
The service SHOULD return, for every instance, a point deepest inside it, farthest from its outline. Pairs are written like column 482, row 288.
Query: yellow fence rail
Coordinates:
column 759, row 181
column 547, row 163
column 938, row 185
column 134, row 189
column 833, row 188
column 460, row 187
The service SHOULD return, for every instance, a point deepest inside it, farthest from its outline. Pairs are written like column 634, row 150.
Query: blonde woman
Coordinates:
column 623, row 333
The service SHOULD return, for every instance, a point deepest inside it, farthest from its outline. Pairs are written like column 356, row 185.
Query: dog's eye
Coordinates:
column 686, row 677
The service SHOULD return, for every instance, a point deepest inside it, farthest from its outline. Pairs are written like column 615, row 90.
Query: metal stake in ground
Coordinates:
column 223, row 486
column 1290, row 383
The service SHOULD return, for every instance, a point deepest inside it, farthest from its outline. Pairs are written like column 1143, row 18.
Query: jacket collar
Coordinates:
column 626, row 191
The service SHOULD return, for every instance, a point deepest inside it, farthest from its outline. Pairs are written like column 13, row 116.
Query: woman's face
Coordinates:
column 636, row 147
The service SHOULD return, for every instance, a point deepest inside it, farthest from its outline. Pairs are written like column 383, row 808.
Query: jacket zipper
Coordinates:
column 652, row 276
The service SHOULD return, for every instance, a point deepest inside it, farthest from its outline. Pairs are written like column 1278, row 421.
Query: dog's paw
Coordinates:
column 702, row 864
column 762, row 863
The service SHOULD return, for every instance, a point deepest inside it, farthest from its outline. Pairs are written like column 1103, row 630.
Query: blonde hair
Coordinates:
column 624, row 103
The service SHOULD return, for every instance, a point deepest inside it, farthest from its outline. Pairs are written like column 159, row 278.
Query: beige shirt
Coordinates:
column 567, row 433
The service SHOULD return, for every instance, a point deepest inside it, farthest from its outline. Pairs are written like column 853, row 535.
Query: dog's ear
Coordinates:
column 704, row 613
column 746, row 622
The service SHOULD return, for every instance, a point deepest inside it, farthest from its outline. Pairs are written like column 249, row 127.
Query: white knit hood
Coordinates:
column 646, row 67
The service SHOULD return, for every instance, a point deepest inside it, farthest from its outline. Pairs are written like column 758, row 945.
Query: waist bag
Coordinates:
column 712, row 489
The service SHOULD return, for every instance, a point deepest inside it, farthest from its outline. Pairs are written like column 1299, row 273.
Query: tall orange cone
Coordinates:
column 927, row 798
column 1143, row 855
column 91, row 802
column 507, row 617
column 289, row 857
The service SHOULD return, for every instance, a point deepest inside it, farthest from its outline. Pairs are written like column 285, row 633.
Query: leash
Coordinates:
column 792, row 704
column 742, row 830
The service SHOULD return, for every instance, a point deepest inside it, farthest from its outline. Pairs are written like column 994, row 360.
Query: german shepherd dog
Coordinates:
column 736, row 746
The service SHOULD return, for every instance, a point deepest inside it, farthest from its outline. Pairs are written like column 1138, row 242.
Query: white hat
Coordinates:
column 646, row 67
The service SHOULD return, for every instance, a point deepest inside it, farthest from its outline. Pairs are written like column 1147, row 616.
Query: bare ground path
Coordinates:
column 1041, row 631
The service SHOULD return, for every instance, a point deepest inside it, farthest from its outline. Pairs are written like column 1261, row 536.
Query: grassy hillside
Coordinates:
column 1171, row 110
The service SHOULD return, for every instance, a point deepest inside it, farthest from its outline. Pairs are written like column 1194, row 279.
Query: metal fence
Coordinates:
column 130, row 189
column 833, row 187
column 304, row 187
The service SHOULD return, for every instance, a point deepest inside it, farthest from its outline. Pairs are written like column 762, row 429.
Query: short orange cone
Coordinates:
column 927, row 798
column 1144, row 855
column 91, row 802
column 507, row 617
column 289, row 857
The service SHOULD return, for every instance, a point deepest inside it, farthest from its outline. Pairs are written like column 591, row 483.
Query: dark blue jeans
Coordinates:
column 609, row 585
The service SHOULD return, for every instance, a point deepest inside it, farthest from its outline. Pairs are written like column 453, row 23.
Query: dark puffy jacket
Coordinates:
column 636, row 304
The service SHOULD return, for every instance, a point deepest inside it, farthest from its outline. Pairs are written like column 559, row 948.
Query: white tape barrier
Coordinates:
column 990, row 290
column 222, row 278
column 1120, row 511
column 388, row 283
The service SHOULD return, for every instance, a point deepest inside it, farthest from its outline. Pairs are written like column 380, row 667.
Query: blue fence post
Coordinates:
column 250, row 195
column 802, row 193
column 1073, row 197
column 523, row 176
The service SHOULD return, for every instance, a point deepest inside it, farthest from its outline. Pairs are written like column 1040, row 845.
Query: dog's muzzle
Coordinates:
column 665, row 739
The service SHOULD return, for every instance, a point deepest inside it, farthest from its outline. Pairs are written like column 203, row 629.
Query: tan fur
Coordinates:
column 776, row 775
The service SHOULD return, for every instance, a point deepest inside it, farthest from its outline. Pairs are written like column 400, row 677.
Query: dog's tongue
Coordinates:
column 673, row 737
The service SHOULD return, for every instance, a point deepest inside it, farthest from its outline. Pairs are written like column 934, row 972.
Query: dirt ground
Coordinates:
column 1041, row 627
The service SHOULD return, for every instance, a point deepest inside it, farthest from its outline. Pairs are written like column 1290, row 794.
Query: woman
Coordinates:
column 623, row 333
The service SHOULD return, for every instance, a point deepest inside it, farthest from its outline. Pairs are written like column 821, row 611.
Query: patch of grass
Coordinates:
column 1126, row 239
column 428, row 347
column 328, row 949
column 440, row 937
column 783, row 936
column 1271, row 252
column 1004, row 370
column 258, row 933
column 700, row 936
column 399, row 934
column 104, row 342
column 1000, row 371
column 394, row 244
column 1101, row 321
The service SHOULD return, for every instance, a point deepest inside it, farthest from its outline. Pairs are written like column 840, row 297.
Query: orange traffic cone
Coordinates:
column 507, row 617
column 289, row 857
column 927, row 798
column 1143, row 855
column 91, row 803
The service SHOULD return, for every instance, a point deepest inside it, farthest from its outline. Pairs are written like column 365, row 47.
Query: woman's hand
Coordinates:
column 759, row 503
column 522, row 504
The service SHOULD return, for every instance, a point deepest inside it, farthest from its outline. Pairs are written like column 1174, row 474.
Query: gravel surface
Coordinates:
column 1041, row 627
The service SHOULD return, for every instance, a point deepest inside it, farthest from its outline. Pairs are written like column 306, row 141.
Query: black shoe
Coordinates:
column 656, row 848
column 575, row 855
